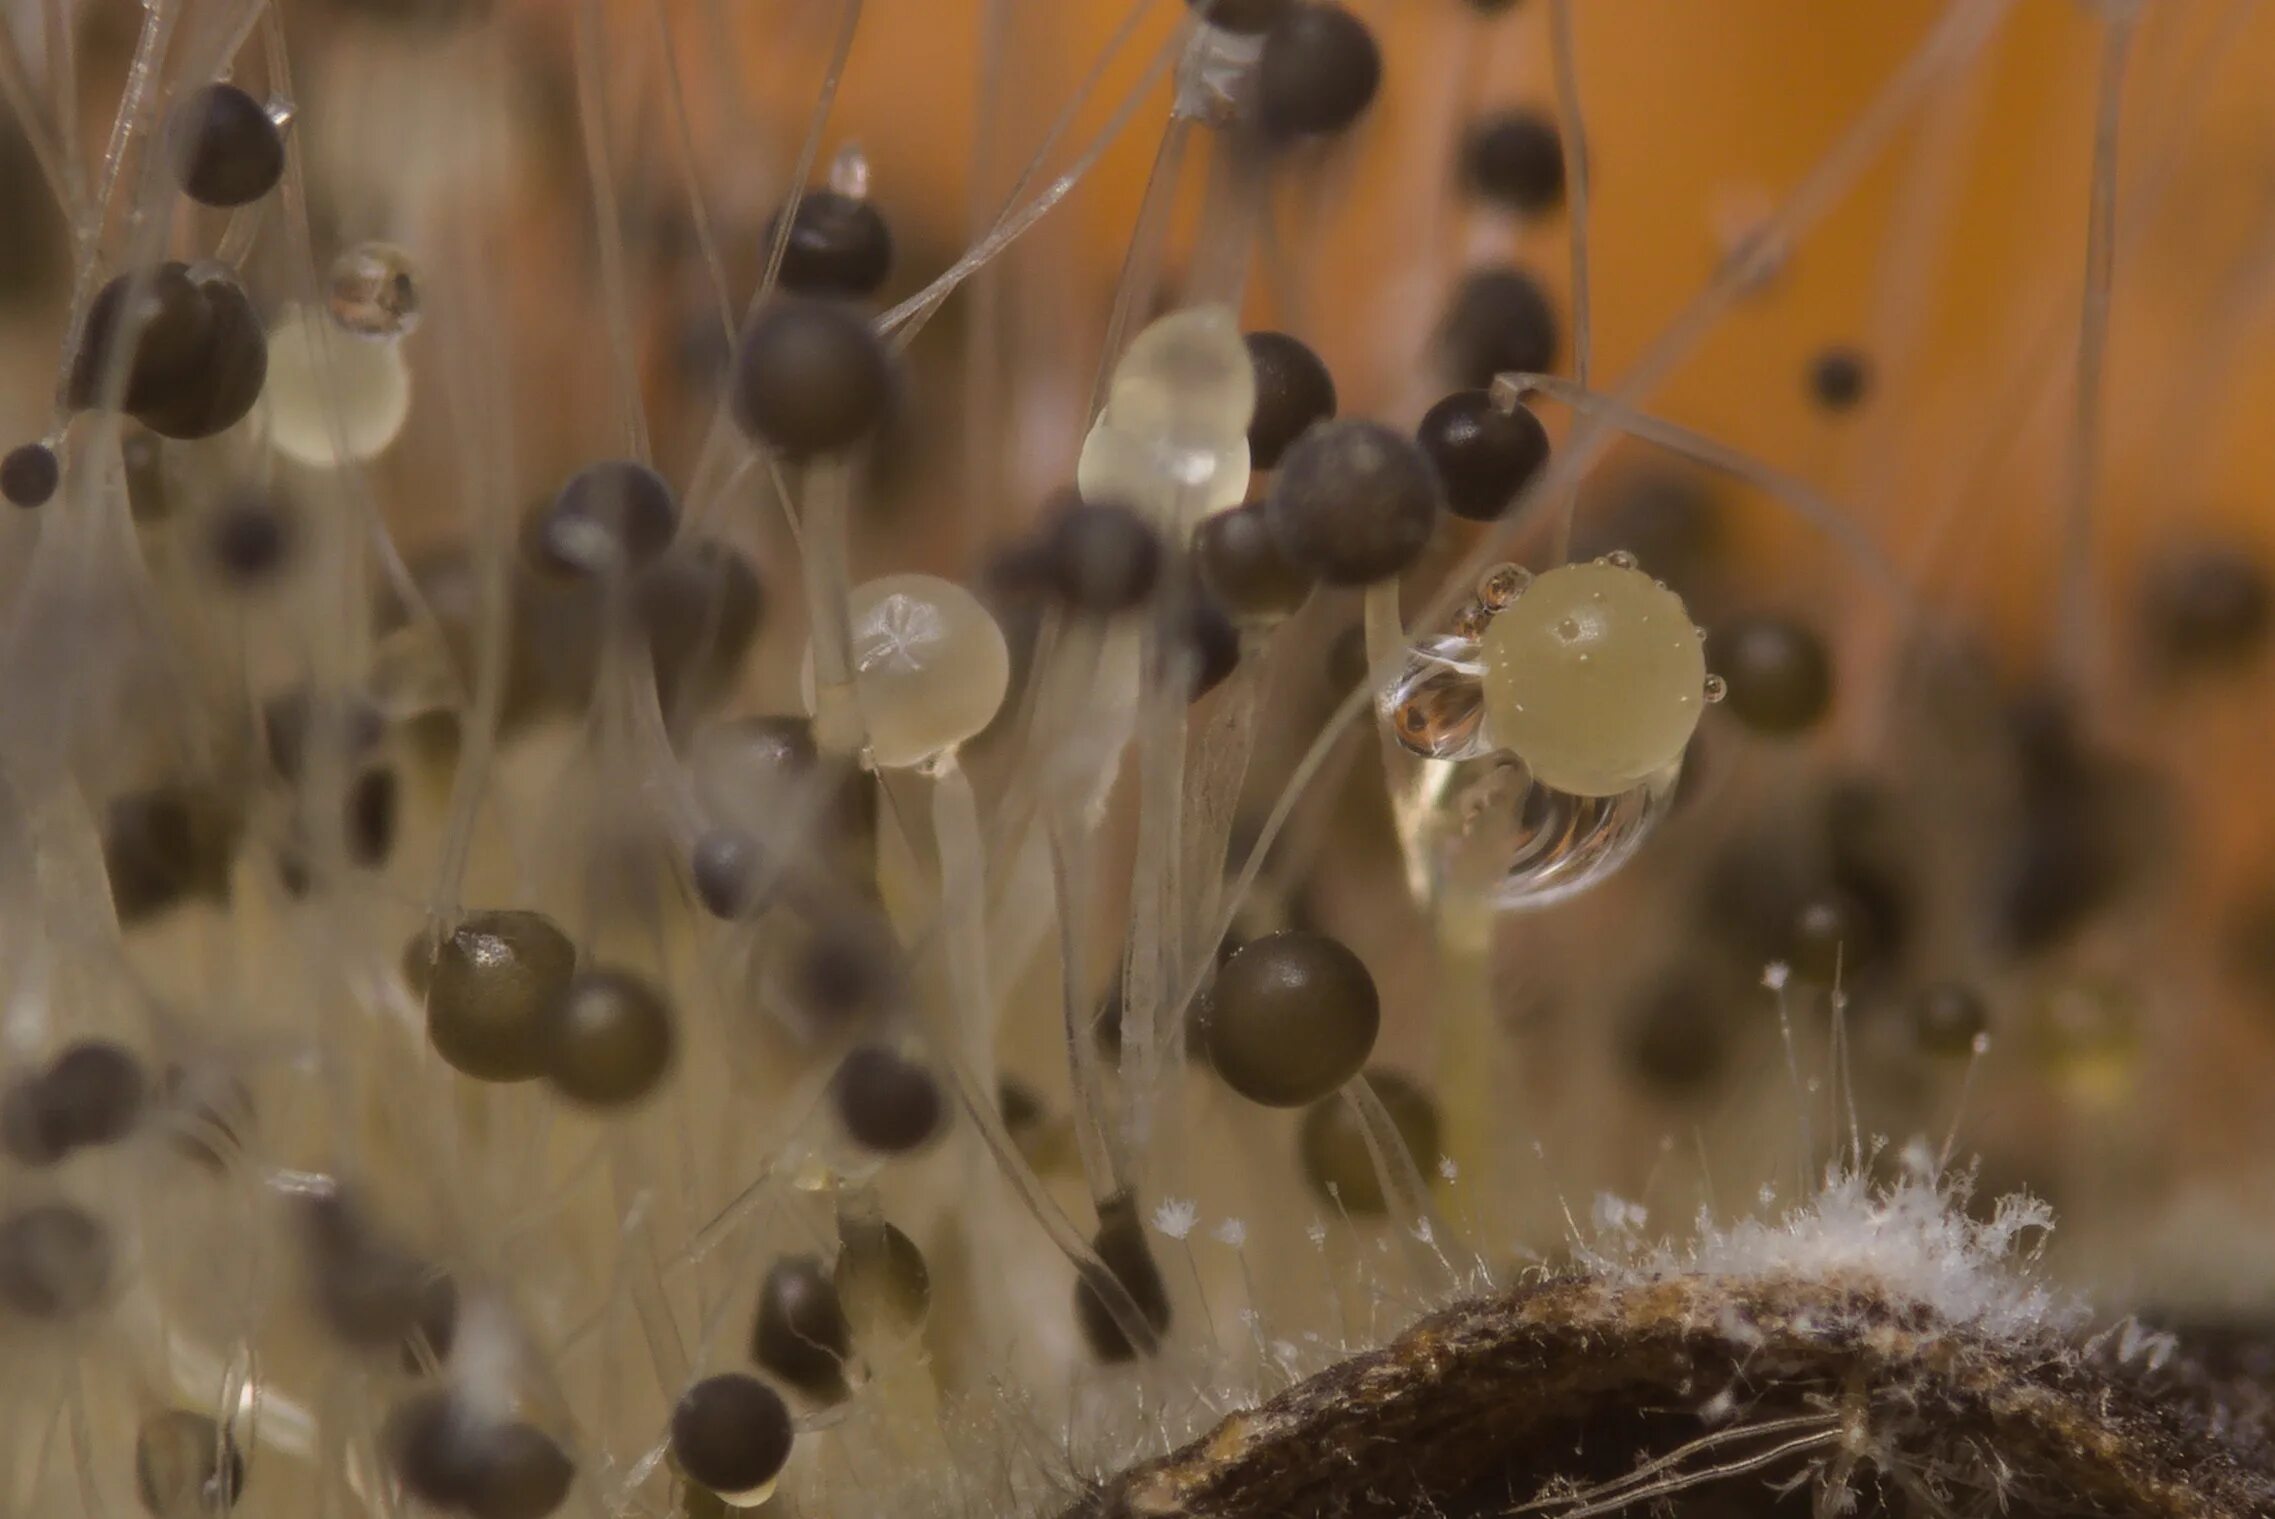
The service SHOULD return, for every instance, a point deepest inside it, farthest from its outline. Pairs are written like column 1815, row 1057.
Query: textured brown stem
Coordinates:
column 1478, row 1407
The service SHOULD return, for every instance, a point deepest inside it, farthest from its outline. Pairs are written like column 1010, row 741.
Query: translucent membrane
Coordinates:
column 1173, row 438
column 930, row 666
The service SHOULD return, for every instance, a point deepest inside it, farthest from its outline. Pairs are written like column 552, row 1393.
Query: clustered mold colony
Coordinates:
column 469, row 1052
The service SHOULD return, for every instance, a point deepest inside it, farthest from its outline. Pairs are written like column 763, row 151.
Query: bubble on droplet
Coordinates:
column 1436, row 707
column 849, row 172
column 373, row 291
column 1716, row 688
column 1503, row 584
column 282, row 113
column 319, row 378
column 1620, row 557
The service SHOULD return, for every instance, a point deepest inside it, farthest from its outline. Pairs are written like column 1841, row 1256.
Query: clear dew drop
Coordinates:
column 1472, row 620
column 1622, row 558
column 1483, row 824
column 1716, row 688
column 373, row 291
column 1502, row 584
column 1436, row 708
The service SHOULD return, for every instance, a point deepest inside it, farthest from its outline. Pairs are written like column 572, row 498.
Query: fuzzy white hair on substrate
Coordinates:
column 1910, row 1241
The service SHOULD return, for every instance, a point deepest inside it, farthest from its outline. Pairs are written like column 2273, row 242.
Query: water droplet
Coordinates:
column 1621, row 558
column 1716, row 688
column 373, row 291
column 1436, row 708
column 1503, row 584
column 1484, row 824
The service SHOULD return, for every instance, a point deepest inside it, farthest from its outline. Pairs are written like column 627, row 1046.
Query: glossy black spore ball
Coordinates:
column 1121, row 1244
column 250, row 538
column 610, row 518
column 1777, row 676
column 1241, row 566
column 453, row 1458
column 811, row 377
column 491, row 988
column 167, row 845
column 1293, row 391
column 1336, row 1158
column 1319, row 71
column 1212, row 642
column 1485, row 454
column 1246, row 17
column 839, row 246
column 198, row 357
column 29, row 475
column 1354, row 502
column 164, row 315
column 1499, row 321
column 1292, row 1016
column 185, row 1467
column 231, row 367
column 1839, row 379
column 226, row 150
column 55, row 1261
column 801, row 1334
column 886, row 1103
column 1947, row 1018
column 1515, row 160
column 1101, row 558
column 731, row 1433
column 609, row 1039
column 2206, row 609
